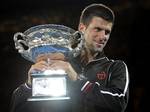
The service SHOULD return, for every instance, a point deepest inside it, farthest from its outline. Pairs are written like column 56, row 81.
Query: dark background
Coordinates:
column 129, row 40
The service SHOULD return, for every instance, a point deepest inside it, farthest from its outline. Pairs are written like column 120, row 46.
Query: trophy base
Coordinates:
column 47, row 98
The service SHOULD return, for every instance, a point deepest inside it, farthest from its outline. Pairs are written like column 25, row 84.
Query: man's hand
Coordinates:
column 41, row 66
column 64, row 65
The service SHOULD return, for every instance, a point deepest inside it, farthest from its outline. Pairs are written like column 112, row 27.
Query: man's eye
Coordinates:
column 107, row 32
column 98, row 29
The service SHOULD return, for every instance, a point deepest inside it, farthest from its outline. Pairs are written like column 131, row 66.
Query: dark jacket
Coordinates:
column 102, row 86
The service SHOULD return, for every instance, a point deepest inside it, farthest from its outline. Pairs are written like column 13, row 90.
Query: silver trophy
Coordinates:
column 45, row 39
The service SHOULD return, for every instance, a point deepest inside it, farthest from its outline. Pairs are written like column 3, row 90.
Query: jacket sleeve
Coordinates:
column 19, row 97
column 114, row 96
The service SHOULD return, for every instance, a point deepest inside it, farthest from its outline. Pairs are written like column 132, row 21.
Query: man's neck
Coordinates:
column 88, row 55
column 91, row 55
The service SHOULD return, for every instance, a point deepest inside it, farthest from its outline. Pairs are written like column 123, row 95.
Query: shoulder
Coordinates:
column 117, row 62
column 19, row 98
column 117, row 65
column 114, row 62
column 22, row 90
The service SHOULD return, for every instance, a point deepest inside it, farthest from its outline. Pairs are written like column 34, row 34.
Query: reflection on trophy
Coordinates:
column 42, row 40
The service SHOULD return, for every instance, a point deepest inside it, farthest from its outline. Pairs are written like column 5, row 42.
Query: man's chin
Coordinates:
column 98, row 49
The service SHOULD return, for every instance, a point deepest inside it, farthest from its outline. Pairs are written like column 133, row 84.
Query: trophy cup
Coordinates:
column 44, row 39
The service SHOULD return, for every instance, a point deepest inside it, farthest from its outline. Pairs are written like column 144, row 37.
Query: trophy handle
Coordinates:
column 21, row 42
column 77, row 43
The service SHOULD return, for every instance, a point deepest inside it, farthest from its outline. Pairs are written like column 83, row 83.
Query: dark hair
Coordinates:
column 98, row 10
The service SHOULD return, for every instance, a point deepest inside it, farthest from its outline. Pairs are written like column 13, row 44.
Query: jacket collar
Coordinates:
column 99, row 56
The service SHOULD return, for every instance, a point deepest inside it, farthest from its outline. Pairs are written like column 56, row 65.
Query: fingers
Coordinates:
column 58, row 64
column 66, row 66
column 53, row 56
column 36, row 68
column 39, row 67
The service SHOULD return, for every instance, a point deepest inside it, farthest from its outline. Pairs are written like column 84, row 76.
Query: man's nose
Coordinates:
column 102, row 35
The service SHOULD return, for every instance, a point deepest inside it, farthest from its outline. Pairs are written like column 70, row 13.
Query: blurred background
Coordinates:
column 129, row 40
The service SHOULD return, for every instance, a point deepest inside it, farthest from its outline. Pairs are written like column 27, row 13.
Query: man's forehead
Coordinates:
column 100, row 22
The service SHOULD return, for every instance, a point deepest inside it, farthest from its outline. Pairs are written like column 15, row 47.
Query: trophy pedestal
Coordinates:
column 49, row 87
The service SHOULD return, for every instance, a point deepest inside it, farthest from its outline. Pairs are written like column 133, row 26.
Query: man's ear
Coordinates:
column 81, row 27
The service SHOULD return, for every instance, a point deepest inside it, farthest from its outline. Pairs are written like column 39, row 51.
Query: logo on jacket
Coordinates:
column 101, row 75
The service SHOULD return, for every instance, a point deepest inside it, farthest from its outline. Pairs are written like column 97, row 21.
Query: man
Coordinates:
column 97, row 84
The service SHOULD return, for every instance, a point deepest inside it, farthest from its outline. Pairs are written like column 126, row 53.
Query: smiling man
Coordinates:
column 97, row 84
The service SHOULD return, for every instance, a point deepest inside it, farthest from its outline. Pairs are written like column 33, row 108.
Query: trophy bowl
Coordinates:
column 48, row 38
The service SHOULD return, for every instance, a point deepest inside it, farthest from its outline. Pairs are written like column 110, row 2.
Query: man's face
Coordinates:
column 96, row 34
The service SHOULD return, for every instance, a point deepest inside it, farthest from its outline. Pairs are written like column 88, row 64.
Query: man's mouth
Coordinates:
column 99, row 44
